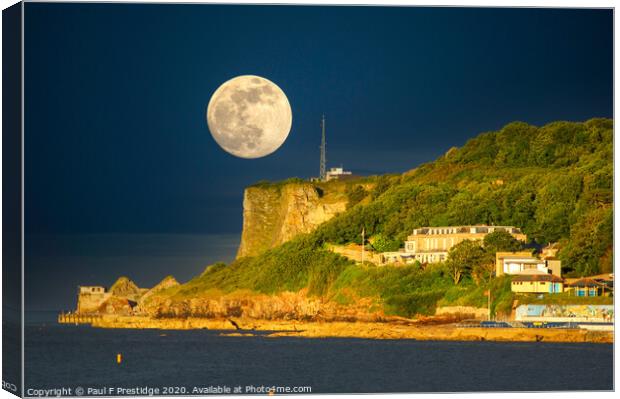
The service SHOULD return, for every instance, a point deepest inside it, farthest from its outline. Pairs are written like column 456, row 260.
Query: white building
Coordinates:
column 337, row 174
column 528, row 265
column 432, row 244
column 525, row 263
column 407, row 257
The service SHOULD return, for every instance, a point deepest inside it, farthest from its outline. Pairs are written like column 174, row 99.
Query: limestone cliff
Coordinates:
column 273, row 214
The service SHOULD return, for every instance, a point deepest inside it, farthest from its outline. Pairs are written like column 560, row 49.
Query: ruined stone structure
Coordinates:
column 121, row 298
column 90, row 298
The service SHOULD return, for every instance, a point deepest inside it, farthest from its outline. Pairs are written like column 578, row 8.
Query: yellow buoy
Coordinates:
column 119, row 358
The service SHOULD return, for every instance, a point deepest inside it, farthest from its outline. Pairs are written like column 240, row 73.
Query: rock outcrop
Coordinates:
column 167, row 282
column 281, row 306
column 273, row 214
column 385, row 329
column 116, row 305
column 125, row 288
column 463, row 312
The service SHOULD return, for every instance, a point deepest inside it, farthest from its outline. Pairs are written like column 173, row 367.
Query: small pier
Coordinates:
column 75, row 318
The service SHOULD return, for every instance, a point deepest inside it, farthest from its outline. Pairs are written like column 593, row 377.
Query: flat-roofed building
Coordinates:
column 524, row 262
column 406, row 257
column 444, row 238
column 337, row 174
column 432, row 244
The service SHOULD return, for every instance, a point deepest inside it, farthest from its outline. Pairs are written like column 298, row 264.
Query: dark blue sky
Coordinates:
column 116, row 137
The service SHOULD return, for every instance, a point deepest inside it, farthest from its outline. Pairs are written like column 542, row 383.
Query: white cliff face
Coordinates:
column 273, row 215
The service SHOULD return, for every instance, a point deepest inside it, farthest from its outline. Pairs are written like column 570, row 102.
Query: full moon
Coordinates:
column 249, row 116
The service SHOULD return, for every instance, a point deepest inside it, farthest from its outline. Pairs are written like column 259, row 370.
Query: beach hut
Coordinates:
column 537, row 284
column 586, row 287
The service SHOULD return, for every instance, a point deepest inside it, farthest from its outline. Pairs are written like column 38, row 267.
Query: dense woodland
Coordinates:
column 555, row 182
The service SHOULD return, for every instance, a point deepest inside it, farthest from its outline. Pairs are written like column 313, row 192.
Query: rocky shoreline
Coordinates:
column 368, row 330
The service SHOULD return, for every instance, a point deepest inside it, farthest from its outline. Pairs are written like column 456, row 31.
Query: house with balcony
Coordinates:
column 432, row 244
column 524, row 262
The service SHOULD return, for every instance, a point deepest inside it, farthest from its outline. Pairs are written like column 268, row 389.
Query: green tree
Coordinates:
column 501, row 241
column 355, row 195
column 550, row 181
column 382, row 185
column 463, row 258
column 382, row 243
column 483, row 269
column 589, row 250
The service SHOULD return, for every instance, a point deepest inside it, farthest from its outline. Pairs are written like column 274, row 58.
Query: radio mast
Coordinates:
column 322, row 172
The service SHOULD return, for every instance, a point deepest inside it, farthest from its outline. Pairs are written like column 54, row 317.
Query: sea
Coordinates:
column 107, row 362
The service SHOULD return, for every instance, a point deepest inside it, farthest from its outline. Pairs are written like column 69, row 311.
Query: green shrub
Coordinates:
column 381, row 243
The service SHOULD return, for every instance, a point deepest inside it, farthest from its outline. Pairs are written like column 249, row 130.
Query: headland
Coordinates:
column 515, row 226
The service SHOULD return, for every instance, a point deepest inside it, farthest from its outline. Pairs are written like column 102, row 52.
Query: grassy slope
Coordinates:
column 555, row 182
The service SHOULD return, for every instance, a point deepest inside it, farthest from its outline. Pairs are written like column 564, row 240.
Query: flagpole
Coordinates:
column 489, row 304
column 363, row 245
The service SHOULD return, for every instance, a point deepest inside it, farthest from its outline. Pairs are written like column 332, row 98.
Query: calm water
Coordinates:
column 73, row 356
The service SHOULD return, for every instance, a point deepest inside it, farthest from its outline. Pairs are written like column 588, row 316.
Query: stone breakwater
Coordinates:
column 370, row 330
